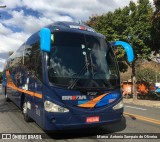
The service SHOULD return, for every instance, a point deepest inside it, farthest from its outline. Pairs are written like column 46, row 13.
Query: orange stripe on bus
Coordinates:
column 93, row 102
column 26, row 91
column 10, row 84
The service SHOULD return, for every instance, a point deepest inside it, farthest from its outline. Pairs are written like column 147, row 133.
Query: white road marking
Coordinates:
column 136, row 107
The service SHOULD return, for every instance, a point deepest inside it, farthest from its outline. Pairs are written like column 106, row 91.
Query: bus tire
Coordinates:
column 25, row 113
column 6, row 96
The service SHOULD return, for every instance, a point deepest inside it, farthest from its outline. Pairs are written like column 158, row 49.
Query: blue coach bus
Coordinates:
column 66, row 76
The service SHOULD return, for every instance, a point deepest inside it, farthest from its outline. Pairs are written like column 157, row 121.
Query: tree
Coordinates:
column 156, row 27
column 147, row 75
column 131, row 23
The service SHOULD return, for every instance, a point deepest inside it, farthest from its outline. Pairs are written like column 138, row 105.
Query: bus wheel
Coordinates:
column 25, row 113
column 6, row 96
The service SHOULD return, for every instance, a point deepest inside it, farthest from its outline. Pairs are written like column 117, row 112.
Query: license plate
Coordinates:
column 92, row 119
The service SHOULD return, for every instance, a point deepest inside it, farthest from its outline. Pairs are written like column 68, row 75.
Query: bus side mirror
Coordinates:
column 127, row 47
column 45, row 39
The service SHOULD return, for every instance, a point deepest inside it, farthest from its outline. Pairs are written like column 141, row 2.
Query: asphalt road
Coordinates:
column 11, row 121
column 145, row 111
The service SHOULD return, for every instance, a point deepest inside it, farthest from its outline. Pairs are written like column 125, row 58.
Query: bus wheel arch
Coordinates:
column 24, row 108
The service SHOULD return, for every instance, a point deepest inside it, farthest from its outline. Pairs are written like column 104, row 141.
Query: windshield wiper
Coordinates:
column 78, row 77
column 85, row 67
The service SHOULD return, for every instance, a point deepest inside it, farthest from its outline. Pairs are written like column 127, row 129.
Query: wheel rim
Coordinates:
column 24, row 108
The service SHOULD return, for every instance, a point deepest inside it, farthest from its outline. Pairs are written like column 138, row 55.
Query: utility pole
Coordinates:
column 134, row 87
column 133, row 77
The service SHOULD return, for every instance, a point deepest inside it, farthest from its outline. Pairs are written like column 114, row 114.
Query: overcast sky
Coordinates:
column 21, row 18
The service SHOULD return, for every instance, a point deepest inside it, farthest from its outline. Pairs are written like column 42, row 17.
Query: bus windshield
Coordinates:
column 82, row 61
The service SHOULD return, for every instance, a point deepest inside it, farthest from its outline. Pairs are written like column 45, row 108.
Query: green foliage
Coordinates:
column 123, row 67
column 155, row 32
column 131, row 23
column 148, row 75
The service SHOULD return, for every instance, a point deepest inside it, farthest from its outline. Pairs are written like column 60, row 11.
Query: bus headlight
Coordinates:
column 52, row 107
column 119, row 105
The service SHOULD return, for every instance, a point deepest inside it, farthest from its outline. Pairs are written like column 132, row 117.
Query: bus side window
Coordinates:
column 29, row 58
column 38, row 64
column 38, row 71
column 32, row 58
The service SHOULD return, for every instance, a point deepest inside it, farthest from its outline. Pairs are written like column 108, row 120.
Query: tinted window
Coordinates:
column 17, row 57
column 32, row 59
column 84, row 57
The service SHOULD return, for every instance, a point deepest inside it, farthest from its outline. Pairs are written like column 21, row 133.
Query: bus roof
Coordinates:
column 73, row 27
column 67, row 27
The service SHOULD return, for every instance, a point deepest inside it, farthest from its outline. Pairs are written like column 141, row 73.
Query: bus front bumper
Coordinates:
column 74, row 121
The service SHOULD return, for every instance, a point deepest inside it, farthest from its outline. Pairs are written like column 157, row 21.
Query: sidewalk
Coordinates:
column 150, row 103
